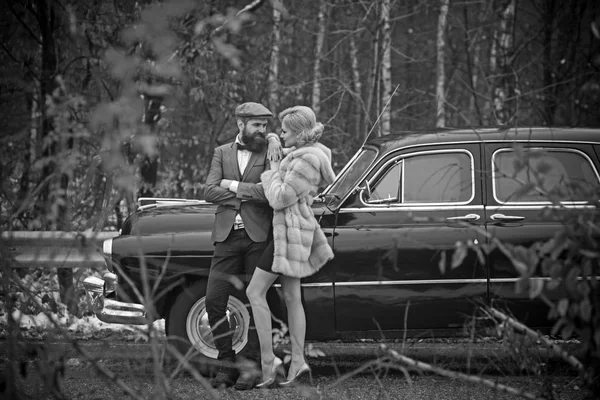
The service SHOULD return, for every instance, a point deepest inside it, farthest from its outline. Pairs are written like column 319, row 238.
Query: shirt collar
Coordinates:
column 238, row 141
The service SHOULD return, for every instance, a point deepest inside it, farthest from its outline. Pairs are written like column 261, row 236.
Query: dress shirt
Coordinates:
column 243, row 156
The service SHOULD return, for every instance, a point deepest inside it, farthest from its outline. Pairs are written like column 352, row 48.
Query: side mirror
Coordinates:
column 325, row 198
column 366, row 189
column 318, row 198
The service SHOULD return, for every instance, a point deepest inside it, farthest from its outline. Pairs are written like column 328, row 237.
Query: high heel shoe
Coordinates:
column 276, row 369
column 303, row 370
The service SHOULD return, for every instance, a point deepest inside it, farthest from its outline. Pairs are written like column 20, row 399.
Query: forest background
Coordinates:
column 106, row 101
column 103, row 102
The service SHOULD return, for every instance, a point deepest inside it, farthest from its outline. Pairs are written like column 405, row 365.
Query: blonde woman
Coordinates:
column 299, row 247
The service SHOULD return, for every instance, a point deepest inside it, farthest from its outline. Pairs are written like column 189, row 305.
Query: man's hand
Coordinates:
column 225, row 183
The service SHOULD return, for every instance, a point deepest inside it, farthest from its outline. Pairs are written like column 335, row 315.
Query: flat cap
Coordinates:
column 251, row 109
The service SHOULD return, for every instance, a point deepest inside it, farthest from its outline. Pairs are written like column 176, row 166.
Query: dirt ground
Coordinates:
column 349, row 371
column 87, row 385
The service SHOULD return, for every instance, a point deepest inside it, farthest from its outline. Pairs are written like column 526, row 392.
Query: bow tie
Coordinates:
column 241, row 146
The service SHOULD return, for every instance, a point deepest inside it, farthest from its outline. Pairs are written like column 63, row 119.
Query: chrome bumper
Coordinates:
column 108, row 310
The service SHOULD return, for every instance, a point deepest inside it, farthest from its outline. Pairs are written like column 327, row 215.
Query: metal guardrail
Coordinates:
column 53, row 249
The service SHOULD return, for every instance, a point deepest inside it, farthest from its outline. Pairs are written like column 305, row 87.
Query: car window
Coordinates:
column 425, row 178
column 437, row 178
column 540, row 175
column 348, row 178
column 387, row 189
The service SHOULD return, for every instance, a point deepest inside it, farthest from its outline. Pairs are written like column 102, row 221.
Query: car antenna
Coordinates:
column 380, row 114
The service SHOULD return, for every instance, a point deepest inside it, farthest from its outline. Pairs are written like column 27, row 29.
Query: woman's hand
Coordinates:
column 275, row 165
column 274, row 152
column 225, row 183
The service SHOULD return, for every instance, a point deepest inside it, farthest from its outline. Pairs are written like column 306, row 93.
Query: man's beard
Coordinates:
column 255, row 143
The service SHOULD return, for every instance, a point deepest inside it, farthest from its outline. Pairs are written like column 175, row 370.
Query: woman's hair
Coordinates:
column 302, row 121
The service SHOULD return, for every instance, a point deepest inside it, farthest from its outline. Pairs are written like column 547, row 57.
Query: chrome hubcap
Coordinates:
column 198, row 328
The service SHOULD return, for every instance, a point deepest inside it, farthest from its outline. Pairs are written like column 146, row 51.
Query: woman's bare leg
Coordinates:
column 257, row 295
column 297, row 321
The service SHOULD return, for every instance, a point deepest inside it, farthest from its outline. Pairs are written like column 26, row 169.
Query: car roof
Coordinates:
column 463, row 135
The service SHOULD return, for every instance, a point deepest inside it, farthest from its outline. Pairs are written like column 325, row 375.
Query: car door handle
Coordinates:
column 468, row 217
column 506, row 218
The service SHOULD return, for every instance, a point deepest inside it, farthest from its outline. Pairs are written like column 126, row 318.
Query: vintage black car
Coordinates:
column 397, row 206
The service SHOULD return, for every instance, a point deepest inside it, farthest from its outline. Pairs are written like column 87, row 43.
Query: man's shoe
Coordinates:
column 246, row 381
column 249, row 375
column 225, row 377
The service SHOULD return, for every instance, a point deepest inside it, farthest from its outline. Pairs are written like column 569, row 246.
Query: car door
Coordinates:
column 520, row 216
column 317, row 289
column 391, row 236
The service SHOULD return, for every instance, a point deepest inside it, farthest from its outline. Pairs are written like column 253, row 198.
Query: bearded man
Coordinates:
column 240, row 234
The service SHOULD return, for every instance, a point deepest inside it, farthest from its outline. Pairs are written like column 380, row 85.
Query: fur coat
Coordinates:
column 301, row 248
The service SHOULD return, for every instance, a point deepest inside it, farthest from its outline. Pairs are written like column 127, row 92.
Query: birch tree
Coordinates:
column 273, row 78
column 347, row 49
column 440, row 96
column 473, row 56
column 356, row 83
column 321, row 27
column 374, row 79
column 501, row 63
column 548, row 67
column 386, row 68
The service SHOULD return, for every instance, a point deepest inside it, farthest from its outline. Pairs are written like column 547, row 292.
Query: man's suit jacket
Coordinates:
column 255, row 210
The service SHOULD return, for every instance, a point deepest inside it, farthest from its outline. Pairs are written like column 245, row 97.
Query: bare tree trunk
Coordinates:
column 489, row 113
column 273, row 78
column 386, row 68
column 149, row 161
column 46, row 19
column 30, row 153
column 473, row 46
column 503, row 82
column 378, row 100
column 35, row 123
column 440, row 95
column 471, row 68
column 322, row 23
column 53, row 206
column 549, row 93
column 374, row 81
column 475, row 66
column 356, row 83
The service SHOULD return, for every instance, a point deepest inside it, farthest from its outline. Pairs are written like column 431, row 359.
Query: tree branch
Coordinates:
column 33, row 196
column 64, row 70
column 27, row 28
column 32, row 72
column 250, row 7
column 421, row 366
column 99, row 367
column 568, row 358
column 524, row 45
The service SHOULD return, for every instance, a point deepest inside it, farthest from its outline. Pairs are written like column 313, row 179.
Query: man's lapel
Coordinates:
column 233, row 161
column 253, row 159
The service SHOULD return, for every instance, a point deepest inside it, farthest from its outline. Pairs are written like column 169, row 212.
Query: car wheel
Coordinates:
column 187, row 325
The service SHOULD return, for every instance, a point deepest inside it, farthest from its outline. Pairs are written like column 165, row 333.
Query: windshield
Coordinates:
column 349, row 177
